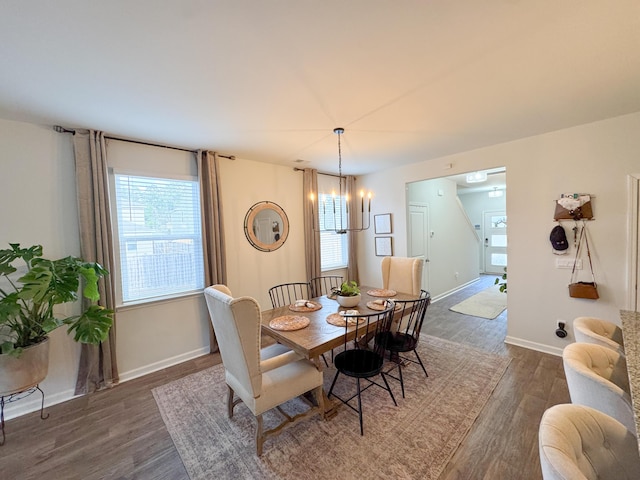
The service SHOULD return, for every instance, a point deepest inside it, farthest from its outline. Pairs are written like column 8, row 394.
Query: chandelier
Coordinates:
column 335, row 211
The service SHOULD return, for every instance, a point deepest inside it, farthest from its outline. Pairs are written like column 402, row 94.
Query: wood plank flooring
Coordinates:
column 119, row 434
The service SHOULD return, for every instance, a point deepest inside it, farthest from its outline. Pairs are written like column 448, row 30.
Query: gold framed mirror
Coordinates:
column 266, row 226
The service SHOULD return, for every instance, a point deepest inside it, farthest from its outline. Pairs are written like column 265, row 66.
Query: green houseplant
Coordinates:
column 27, row 303
column 348, row 295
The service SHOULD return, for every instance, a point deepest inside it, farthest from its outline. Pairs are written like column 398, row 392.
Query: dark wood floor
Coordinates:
column 119, row 434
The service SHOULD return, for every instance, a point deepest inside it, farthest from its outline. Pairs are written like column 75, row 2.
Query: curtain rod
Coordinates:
column 60, row 129
column 320, row 173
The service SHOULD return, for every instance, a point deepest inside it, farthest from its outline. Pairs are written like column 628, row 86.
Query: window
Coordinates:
column 159, row 236
column 334, row 247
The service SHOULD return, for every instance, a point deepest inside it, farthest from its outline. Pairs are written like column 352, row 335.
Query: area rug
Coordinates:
column 489, row 303
column 414, row 440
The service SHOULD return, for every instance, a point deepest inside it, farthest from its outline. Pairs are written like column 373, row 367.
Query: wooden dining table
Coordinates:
column 319, row 336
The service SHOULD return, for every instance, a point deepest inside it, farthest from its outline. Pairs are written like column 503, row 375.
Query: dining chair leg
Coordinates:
column 359, row 406
column 401, row 379
column 384, row 378
column 325, row 361
column 230, row 403
column 421, row 364
column 259, row 435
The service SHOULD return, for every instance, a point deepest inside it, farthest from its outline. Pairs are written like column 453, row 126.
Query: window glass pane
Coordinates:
column 333, row 246
column 498, row 222
column 499, row 259
column 498, row 240
column 159, row 236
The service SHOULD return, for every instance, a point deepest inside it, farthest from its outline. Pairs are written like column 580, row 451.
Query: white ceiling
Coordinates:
column 409, row 80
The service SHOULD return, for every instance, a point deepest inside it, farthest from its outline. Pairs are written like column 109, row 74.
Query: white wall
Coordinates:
column 453, row 247
column 594, row 158
column 37, row 195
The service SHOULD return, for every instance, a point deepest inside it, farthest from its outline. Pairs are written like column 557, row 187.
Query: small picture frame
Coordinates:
column 384, row 247
column 382, row 223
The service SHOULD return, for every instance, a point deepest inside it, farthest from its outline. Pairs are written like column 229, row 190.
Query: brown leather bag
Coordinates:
column 587, row 290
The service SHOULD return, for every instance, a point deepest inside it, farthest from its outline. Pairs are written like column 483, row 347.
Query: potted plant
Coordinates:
column 348, row 295
column 27, row 311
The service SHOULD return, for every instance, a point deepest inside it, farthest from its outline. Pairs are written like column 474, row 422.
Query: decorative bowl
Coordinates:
column 351, row 301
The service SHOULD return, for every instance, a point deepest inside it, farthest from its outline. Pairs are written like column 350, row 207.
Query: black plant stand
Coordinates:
column 14, row 397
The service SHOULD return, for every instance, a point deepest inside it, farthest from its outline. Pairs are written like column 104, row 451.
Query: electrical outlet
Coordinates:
column 568, row 263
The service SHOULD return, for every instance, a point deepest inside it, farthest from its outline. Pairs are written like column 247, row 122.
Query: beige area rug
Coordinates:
column 488, row 303
column 414, row 440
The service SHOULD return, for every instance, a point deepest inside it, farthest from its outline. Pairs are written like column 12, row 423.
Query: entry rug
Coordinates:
column 489, row 303
column 414, row 440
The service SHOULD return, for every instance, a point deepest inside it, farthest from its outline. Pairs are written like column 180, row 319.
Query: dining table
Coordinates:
column 319, row 336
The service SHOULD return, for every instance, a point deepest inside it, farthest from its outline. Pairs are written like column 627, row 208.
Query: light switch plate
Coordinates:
column 568, row 263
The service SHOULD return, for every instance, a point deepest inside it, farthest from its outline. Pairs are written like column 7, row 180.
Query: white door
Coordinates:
column 495, row 242
column 419, row 237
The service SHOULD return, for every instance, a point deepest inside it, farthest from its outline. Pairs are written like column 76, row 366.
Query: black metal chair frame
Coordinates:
column 288, row 293
column 405, row 339
column 360, row 361
column 324, row 284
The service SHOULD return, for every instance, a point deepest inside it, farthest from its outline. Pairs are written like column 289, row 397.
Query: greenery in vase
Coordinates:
column 27, row 303
column 347, row 289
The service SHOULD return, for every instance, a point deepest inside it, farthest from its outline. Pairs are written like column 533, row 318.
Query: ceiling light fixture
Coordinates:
column 335, row 211
column 476, row 177
column 496, row 193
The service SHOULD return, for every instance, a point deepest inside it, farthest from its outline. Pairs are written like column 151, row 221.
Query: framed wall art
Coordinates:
column 384, row 247
column 382, row 223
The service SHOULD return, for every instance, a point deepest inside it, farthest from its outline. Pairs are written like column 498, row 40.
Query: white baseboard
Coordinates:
column 539, row 347
column 165, row 363
column 454, row 290
column 33, row 402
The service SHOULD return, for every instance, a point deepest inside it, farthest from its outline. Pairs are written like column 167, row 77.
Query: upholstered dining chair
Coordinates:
column 358, row 360
column 598, row 331
column 582, row 443
column 262, row 379
column 402, row 274
column 597, row 377
column 323, row 285
column 287, row 293
column 405, row 337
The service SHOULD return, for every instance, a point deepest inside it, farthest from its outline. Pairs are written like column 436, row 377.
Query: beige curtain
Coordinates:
column 98, row 367
column 215, row 268
column 354, row 213
column 311, row 225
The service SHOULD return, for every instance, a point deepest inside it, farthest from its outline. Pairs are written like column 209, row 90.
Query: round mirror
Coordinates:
column 266, row 226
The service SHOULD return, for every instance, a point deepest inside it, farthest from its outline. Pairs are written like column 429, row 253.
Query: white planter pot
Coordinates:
column 348, row 302
column 26, row 371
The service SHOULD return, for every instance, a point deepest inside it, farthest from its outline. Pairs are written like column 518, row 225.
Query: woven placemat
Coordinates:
column 380, row 306
column 339, row 321
column 382, row 292
column 306, row 308
column 289, row 322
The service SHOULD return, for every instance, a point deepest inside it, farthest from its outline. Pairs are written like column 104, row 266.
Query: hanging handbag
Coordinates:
column 587, row 290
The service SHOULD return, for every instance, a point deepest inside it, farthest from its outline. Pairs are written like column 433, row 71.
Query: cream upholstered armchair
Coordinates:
column 598, row 331
column 262, row 378
column 402, row 274
column 597, row 377
column 580, row 443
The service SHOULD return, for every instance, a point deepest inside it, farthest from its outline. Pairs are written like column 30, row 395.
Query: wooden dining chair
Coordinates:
column 261, row 378
column 359, row 360
column 325, row 284
column 287, row 293
column 405, row 337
